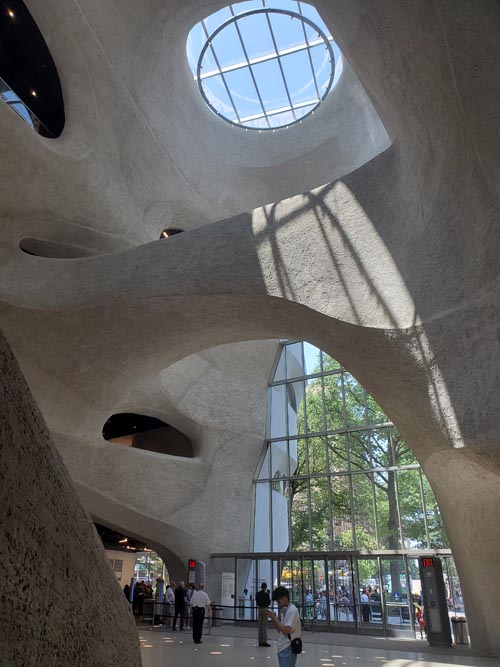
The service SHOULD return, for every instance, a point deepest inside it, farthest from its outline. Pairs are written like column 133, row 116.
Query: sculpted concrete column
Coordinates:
column 466, row 483
column 59, row 601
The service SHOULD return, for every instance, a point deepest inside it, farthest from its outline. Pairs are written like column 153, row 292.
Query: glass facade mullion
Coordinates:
column 309, row 512
column 382, row 596
column 396, row 484
column 349, row 471
column 411, row 610
column 354, row 473
column 374, row 500
column 422, row 495
column 330, row 513
column 271, row 517
column 344, row 411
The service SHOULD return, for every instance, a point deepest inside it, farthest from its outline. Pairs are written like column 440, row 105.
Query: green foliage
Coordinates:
column 149, row 565
column 382, row 498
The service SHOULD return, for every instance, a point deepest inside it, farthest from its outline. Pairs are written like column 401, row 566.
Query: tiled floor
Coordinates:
column 238, row 646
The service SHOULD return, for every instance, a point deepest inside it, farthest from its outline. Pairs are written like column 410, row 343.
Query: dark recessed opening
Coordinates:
column 148, row 433
column 167, row 233
column 52, row 249
column 115, row 541
column 29, row 82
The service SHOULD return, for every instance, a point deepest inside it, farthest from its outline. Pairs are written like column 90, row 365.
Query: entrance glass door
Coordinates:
column 370, row 600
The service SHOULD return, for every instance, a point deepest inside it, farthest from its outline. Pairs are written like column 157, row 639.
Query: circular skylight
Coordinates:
column 263, row 65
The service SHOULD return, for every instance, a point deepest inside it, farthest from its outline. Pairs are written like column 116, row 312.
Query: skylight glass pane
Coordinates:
column 288, row 31
column 287, row 5
column 270, row 83
column 194, row 45
column 9, row 96
column 322, row 68
column 280, row 119
column 217, row 96
column 303, row 111
column 213, row 21
column 310, row 12
column 298, row 73
column 312, row 35
column 240, row 7
column 243, row 91
column 256, row 35
column 23, row 112
column 246, row 49
column 257, row 124
column 227, row 47
column 208, row 64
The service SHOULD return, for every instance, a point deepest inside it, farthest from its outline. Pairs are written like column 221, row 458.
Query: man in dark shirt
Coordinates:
column 263, row 601
column 180, row 603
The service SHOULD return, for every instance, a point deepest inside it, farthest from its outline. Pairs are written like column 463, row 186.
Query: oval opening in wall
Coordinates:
column 52, row 249
column 29, row 82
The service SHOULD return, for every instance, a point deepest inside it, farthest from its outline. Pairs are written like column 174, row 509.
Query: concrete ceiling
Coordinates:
column 392, row 266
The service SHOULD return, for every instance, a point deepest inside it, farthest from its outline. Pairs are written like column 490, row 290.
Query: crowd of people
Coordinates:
column 190, row 605
column 182, row 603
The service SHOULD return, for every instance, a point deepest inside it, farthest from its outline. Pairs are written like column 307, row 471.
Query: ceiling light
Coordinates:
column 33, row 93
column 10, row 13
column 123, row 541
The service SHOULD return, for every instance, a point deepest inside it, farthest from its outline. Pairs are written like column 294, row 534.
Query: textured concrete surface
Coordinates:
column 60, row 603
column 392, row 266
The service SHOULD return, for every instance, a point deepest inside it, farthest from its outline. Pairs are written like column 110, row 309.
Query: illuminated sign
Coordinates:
column 427, row 562
column 192, row 564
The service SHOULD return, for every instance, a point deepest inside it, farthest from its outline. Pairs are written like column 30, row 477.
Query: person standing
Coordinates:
column 421, row 621
column 139, row 598
column 180, row 603
column 365, row 606
column 187, row 604
column 200, row 603
column 288, row 627
column 263, row 601
column 169, row 601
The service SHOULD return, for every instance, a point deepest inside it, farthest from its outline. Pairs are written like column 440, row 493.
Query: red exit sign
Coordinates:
column 192, row 564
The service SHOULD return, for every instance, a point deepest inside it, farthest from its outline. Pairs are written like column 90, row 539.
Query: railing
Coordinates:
column 373, row 615
column 160, row 615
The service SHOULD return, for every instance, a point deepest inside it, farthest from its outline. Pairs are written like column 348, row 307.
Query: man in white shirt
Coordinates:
column 169, row 600
column 200, row 602
column 365, row 606
column 288, row 627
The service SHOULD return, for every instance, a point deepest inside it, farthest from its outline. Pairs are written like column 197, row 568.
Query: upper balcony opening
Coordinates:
column 145, row 432
column 29, row 82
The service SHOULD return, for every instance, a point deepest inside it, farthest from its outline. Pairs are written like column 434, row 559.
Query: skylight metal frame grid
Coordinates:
column 266, row 113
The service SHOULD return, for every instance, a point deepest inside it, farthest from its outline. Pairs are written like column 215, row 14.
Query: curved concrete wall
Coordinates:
column 392, row 266
column 59, row 600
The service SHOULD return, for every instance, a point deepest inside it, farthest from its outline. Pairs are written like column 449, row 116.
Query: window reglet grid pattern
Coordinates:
column 261, row 66
column 336, row 474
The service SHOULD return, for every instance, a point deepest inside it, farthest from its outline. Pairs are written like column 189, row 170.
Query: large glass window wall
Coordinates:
column 336, row 474
column 342, row 506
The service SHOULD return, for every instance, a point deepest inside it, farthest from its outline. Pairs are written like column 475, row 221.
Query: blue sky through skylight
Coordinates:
column 267, row 69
